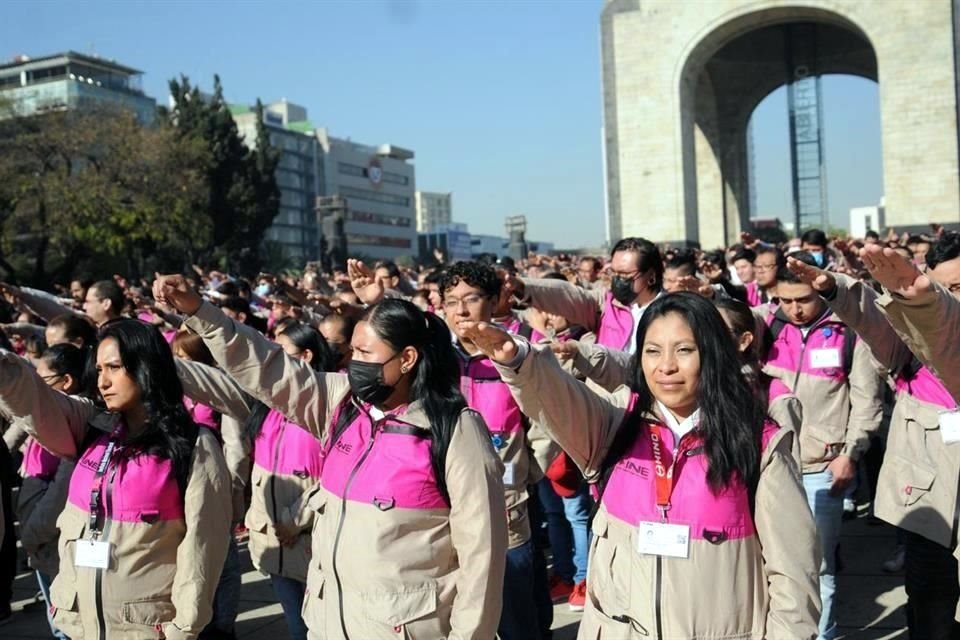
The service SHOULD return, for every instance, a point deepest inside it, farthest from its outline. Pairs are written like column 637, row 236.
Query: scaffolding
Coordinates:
column 805, row 105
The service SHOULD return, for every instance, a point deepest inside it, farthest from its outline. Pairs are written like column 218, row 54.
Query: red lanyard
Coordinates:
column 663, row 476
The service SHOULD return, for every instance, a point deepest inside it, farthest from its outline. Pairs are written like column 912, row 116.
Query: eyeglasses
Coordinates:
column 51, row 378
column 626, row 276
column 472, row 301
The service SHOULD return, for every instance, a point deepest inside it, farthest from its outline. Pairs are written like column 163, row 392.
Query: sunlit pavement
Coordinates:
column 870, row 607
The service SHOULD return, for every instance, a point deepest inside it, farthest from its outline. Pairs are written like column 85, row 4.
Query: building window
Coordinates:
column 376, row 218
column 361, row 172
column 378, row 241
column 374, row 196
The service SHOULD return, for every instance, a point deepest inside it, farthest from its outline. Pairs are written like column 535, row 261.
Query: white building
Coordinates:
column 863, row 219
column 379, row 187
column 433, row 210
column 376, row 183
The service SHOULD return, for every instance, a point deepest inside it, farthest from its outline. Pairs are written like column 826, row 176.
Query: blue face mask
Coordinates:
column 262, row 290
column 817, row 257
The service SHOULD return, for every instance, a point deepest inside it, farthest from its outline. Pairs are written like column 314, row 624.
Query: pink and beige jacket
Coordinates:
column 166, row 549
column 840, row 411
column 749, row 576
column 391, row 556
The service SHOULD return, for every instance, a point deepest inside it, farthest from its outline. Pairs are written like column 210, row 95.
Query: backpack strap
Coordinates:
column 849, row 346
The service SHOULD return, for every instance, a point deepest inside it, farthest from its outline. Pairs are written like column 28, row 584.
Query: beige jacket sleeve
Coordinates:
column 478, row 528
column 855, row 304
column 789, row 543
column 607, row 368
column 45, row 304
column 578, row 419
column 56, row 420
column 203, row 550
column 236, row 451
column 306, row 397
column 578, row 306
column 866, row 401
column 41, row 527
column 212, row 387
column 787, row 411
column 543, row 451
column 929, row 324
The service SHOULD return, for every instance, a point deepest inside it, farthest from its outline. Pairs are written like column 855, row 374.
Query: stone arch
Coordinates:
column 738, row 59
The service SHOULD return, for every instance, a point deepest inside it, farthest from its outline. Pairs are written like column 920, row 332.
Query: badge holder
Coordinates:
column 950, row 426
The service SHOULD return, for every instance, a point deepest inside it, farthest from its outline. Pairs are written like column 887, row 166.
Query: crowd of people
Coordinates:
column 665, row 439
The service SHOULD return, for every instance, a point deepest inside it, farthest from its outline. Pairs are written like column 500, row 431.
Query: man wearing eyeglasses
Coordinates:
column 766, row 264
column 637, row 269
column 470, row 292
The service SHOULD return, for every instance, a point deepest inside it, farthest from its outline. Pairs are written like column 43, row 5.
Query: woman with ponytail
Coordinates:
column 286, row 467
column 409, row 535
column 143, row 534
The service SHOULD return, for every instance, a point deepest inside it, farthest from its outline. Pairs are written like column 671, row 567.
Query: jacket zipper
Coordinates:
column 273, row 485
column 343, row 512
column 104, row 533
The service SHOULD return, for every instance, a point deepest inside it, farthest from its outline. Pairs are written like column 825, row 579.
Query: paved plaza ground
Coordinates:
column 871, row 605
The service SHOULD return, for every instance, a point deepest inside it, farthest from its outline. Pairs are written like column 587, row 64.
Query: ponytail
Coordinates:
column 442, row 401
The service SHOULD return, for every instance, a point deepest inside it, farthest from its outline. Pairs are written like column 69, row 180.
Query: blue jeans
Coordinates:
column 44, row 581
column 828, row 516
column 226, row 599
column 568, row 525
column 518, row 619
column 290, row 594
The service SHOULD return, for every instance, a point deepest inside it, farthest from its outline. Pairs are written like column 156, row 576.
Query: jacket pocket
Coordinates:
column 605, row 594
column 819, row 443
column 71, row 529
column 915, row 481
column 412, row 611
column 312, row 612
column 63, row 604
column 150, row 612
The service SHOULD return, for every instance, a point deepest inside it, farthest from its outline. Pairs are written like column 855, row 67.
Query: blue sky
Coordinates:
column 499, row 100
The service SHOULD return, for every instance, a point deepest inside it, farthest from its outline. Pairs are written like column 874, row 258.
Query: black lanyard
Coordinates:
column 97, row 484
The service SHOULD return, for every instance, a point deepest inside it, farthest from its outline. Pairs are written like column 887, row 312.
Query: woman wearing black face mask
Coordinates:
column 409, row 534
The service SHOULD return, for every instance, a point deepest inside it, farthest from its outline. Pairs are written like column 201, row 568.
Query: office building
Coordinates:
column 376, row 186
column 72, row 80
column 295, row 228
column 433, row 210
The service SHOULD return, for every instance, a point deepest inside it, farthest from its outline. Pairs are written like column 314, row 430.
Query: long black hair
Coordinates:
column 436, row 375
column 66, row 359
column 168, row 431
column 741, row 320
column 731, row 419
column 304, row 337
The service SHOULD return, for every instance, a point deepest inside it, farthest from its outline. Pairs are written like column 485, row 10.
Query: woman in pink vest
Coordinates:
column 703, row 529
column 144, row 532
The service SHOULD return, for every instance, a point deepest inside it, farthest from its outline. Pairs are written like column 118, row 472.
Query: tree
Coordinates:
column 243, row 197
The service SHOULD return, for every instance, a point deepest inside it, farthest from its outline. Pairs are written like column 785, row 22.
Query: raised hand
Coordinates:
column 494, row 342
column 565, row 350
column 364, row 282
column 693, row 284
column 748, row 239
column 897, row 274
column 820, row 279
column 176, row 292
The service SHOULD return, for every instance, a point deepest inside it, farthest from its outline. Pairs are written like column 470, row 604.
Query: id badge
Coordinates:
column 950, row 426
column 509, row 471
column 825, row 358
column 94, row 554
column 661, row 539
